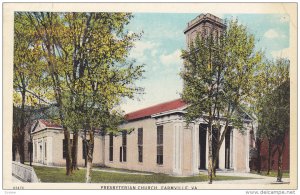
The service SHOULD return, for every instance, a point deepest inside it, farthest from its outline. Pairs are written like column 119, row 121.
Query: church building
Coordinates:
column 160, row 140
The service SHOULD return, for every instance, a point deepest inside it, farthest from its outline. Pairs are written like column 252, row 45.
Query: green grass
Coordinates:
column 272, row 174
column 122, row 170
column 57, row 175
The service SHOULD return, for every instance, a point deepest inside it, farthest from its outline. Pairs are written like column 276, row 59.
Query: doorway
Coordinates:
column 228, row 148
column 202, row 145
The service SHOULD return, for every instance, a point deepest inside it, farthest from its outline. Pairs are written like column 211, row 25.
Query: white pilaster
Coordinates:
column 174, row 149
column 234, row 135
column 49, row 151
column 231, row 149
column 177, row 170
column 247, row 136
column 195, row 149
column 207, row 148
column 33, row 150
column 180, row 147
column 43, row 149
column 222, row 151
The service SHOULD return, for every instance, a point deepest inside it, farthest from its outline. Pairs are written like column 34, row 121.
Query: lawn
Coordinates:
column 272, row 173
column 57, row 175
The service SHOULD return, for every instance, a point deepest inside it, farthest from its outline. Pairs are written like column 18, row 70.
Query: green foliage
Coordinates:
column 28, row 65
column 273, row 107
column 219, row 74
column 219, row 78
column 83, row 64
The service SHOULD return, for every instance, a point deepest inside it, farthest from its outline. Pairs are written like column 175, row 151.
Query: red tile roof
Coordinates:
column 50, row 124
column 163, row 107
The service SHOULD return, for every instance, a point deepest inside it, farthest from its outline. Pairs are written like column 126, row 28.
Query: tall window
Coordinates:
column 160, row 147
column 84, row 149
column 124, row 144
column 65, row 147
column 111, row 147
column 121, row 154
column 45, row 150
column 140, row 144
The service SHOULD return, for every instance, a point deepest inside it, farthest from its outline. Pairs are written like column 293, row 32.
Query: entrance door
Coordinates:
column 202, row 145
column 227, row 148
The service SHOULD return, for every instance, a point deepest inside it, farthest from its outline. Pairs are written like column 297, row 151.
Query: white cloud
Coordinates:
column 271, row 34
column 141, row 47
column 172, row 58
column 284, row 19
column 284, row 53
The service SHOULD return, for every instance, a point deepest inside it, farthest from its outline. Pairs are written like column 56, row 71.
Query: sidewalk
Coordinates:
column 258, row 179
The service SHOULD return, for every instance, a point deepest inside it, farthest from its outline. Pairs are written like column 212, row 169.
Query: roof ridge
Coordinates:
column 154, row 105
column 49, row 123
column 157, row 108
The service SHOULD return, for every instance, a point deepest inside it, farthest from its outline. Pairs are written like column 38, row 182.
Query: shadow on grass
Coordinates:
column 272, row 174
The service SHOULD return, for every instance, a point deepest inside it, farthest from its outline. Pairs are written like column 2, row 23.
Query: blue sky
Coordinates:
column 163, row 38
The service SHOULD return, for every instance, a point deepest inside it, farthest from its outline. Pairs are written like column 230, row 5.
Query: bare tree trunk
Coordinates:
column 21, row 133
column 30, row 154
column 68, row 151
column 210, row 154
column 269, row 155
column 85, row 149
column 14, row 150
column 21, row 148
column 90, row 149
column 279, row 171
column 217, row 143
column 258, row 160
column 74, row 151
column 30, row 148
column 215, row 160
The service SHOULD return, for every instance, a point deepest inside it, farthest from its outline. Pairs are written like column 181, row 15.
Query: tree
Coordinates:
column 266, row 76
column 219, row 75
column 274, row 110
column 282, row 104
column 27, row 95
column 103, row 80
column 86, row 66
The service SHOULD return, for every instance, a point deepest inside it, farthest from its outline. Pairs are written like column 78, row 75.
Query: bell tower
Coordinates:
column 204, row 25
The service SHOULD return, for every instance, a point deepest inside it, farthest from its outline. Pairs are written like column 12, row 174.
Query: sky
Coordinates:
column 162, row 40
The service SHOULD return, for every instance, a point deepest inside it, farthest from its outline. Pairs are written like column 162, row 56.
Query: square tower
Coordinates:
column 204, row 25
